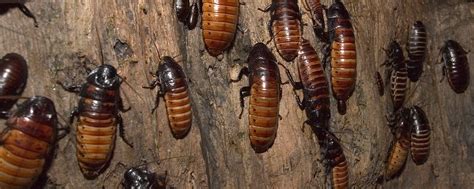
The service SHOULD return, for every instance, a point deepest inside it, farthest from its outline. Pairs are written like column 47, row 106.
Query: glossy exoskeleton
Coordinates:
column 265, row 94
column 420, row 135
column 334, row 158
column 219, row 24
column 341, row 52
column 395, row 57
column 398, row 74
column 416, row 49
column 20, row 4
column 138, row 178
column 285, row 27
column 379, row 83
column 182, row 9
column 97, row 116
column 173, row 85
column 316, row 101
column 400, row 146
column 27, row 144
column 456, row 66
column 13, row 77
column 193, row 16
column 317, row 17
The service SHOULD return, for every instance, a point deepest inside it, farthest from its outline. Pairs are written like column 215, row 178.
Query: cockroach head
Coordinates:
column 338, row 10
column 39, row 108
column 104, row 76
column 137, row 178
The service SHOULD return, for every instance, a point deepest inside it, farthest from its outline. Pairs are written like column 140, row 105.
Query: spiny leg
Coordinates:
column 70, row 88
column 74, row 114
column 243, row 71
column 244, row 92
column 122, row 130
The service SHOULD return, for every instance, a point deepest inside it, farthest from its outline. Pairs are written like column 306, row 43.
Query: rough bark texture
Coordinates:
column 217, row 153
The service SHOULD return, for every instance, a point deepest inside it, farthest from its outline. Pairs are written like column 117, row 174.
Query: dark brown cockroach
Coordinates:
column 395, row 58
column 285, row 27
column 182, row 10
column 193, row 16
column 27, row 144
column 420, row 135
column 342, row 53
column 316, row 101
column 97, row 118
column 456, row 66
column 317, row 17
column 400, row 147
column 416, row 49
column 398, row 74
column 13, row 77
column 265, row 94
column 379, row 82
column 174, row 89
column 4, row 7
column 334, row 158
column 139, row 178
column 219, row 24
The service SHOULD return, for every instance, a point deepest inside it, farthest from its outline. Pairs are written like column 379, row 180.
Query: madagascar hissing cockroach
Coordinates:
column 400, row 146
column 27, row 144
column 395, row 58
column 316, row 101
column 182, row 9
column 317, row 17
column 342, row 53
column 97, row 116
column 285, row 27
column 379, row 83
column 456, row 66
column 334, row 158
column 219, row 24
column 139, row 178
column 398, row 74
column 416, row 49
column 13, row 77
column 265, row 94
column 4, row 7
column 420, row 135
column 173, row 85
column 193, row 16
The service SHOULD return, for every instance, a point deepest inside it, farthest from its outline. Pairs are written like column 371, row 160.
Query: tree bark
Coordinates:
column 217, row 152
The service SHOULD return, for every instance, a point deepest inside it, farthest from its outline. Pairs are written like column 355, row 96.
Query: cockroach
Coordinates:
column 139, row 178
column 182, row 10
column 13, row 77
column 400, row 147
column 395, row 58
column 285, row 27
column 174, row 89
column 97, row 116
column 420, row 135
column 316, row 101
column 342, row 54
column 27, row 144
column 193, row 16
column 398, row 74
column 4, row 7
column 456, row 66
column 265, row 94
column 379, row 83
column 416, row 49
column 333, row 155
column 317, row 17
column 219, row 24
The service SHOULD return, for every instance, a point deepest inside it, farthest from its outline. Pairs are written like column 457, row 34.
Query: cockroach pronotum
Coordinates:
column 400, row 147
column 174, row 89
column 456, row 66
column 97, row 118
column 342, row 53
column 27, row 144
column 285, row 27
column 336, row 163
column 13, row 77
column 183, row 10
column 193, row 16
column 139, row 178
column 416, row 49
column 420, row 135
column 315, row 86
column 265, row 93
column 219, row 24
column 317, row 17
column 4, row 7
column 395, row 58
column 379, row 83
column 398, row 74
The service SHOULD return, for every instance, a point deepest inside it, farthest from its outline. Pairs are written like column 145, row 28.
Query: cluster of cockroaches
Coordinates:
column 410, row 126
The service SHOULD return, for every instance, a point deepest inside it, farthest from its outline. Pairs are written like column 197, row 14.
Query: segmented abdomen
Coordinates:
column 178, row 107
column 23, row 150
column 219, row 23
column 286, row 29
column 340, row 173
column 263, row 113
column 457, row 69
column 13, row 77
column 343, row 64
column 379, row 83
column 416, row 51
column 397, row 157
column 399, row 86
column 420, row 143
column 317, row 14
